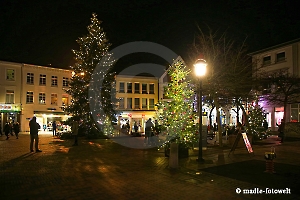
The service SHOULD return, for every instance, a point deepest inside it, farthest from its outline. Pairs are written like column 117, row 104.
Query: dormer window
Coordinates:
column 280, row 57
column 267, row 60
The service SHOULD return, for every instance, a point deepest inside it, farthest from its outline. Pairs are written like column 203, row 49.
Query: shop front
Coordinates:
column 132, row 117
column 9, row 113
column 46, row 119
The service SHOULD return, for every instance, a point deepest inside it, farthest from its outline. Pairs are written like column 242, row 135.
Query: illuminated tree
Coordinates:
column 92, row 54
column 177, row 116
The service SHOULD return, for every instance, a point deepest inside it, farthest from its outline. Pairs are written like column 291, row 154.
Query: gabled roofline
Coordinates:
column 274, row 47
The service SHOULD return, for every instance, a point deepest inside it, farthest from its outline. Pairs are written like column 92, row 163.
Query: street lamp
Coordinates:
column 200, row 70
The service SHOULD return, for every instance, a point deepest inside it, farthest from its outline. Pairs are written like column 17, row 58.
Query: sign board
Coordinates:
column 247, row 143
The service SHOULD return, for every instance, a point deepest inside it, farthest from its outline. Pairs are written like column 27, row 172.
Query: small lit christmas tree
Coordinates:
column 177, row 116
column 256, row 118
column 93, row 48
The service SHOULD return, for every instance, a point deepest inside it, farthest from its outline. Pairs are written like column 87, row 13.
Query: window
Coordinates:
column 295, row 112
column 29, row 97
column 42, row 79
column 129, row 87
column 53, row 99
column 122, row 87
column 10, row 74
column 65, row 100
column 136, row 88
column 54, row 81
column 137, row 103
column 144, row 88
column 10, row 96
column 151, row 88
column 30, row 78
column 65, row 82
column 42, row 98
column 280, row 56
column 129, row 103
column 144, row 103
column 267, row 60
column 121, row 103
column 151, row 104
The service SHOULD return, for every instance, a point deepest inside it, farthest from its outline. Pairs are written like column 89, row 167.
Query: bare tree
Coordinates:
column 229, row 76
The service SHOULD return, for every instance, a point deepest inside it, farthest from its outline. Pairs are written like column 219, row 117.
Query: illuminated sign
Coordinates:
column 5, row 107
column 247, row 143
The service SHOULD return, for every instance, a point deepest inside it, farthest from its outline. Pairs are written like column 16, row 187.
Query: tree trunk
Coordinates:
column 219, row 124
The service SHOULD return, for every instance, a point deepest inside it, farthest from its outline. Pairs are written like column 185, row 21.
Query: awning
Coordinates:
column 49, row 112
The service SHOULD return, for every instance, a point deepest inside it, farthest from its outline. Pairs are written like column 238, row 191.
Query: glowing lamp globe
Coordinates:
column 200, row 67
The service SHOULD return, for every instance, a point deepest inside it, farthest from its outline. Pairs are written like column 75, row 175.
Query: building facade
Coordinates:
column 31, row 90
column 282, row 57
column 10, row 92
column 43, row 94
column 137, row 97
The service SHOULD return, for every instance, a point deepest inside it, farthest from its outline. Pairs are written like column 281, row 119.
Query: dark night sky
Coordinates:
column 44, row 32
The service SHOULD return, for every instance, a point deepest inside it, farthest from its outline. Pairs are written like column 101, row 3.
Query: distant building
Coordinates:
column 137, row 97
column 286, row 58
column 10, row 92
column 43, row 94
column 31, row 90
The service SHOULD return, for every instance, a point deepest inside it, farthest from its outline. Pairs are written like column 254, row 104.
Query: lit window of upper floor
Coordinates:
column 10, row 74
column 280, row 57
column 122, row 87
column 54, row 81
column 29, row 97
column 30, row 78
column 136, row 88
column 151, row 88
column 129, row 87
column 10, row 96
column 65, row 82
column 42, row 79
column 267, row 60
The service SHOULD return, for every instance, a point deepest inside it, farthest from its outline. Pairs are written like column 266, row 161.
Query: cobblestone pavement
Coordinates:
column 103, row 169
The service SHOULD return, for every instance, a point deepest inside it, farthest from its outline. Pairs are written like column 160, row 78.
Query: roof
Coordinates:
column 275, row 47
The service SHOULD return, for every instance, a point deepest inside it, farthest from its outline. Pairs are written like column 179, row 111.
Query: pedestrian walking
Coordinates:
column 54, row 128
column 265, row 125
column 281, row 130
column 34, row 137
column 6, row 130
column 75, row 127
column 148, row 132
column 17, row 129
column 11, row 129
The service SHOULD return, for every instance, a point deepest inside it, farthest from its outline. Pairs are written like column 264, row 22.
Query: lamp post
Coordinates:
column 200, row 70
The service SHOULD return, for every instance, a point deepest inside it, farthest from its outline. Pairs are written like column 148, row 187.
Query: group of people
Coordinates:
column 10, row 129
column 152, row 129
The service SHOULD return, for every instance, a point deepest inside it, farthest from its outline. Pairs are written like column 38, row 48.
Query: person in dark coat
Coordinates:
column 17, row 129
column 34, row 129
column 75, row 127
column 11, row 129
column 0, row 130
column 6, row 130
column 148, row 132
column 281, row 130
column 54, row 128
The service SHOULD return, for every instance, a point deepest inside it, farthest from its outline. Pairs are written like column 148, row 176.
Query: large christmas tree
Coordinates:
column 92, row 83
column 176, row 116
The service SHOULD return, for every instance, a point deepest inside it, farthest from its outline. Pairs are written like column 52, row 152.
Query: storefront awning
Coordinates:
column 49, row 112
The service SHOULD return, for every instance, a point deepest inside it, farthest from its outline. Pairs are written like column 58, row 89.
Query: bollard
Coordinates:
column 173, row 159
column 270, row 156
